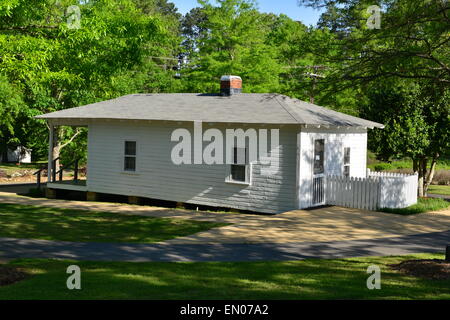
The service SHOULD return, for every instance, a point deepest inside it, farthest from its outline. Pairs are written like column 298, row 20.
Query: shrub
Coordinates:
column 442, row 177
column 383, row 166
column 402, row 164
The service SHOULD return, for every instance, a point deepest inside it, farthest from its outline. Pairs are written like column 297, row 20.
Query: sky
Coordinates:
column 290, row 8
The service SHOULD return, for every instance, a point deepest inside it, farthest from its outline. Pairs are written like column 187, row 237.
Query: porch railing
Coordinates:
column 57, row 172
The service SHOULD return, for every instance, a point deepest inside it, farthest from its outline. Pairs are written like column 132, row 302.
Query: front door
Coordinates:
column 318, row 181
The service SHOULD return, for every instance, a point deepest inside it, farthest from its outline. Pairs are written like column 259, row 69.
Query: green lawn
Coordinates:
column 308, row 279
column 445, row 190
column 423, row 205
column 31, row 222
column 373, row 164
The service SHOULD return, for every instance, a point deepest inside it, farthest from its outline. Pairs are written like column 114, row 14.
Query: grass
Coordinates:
column 423, row 205
column 373, row 164
column 307, row 279
column 10, row 168
column 445, row 190
column 31, row 222
column 403, row 164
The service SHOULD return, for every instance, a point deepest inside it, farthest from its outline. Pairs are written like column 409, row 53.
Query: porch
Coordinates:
column 72, row 185
column 63, row 176
column 58, row 176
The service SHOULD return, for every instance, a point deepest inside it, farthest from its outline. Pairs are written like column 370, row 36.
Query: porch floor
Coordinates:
column 78, row 185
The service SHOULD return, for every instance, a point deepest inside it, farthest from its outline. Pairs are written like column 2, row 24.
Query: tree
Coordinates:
column 415, row 125
column 57, row 67
column 11, row 103
column 412, row 42
column 162, row 7
column 193, row 25
column 231, row 40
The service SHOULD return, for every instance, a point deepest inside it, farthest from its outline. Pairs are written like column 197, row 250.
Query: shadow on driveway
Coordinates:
column 26, row 248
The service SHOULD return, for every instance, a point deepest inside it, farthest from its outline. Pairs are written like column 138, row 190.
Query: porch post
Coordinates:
column 297, row 171
column 51, row 137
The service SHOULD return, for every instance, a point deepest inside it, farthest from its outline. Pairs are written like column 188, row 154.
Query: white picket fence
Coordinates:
column 397, row 190
column 377, row 190
column 379, row 174
column 361, row 193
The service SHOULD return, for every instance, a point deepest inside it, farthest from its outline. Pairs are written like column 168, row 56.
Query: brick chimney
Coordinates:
column 230, row 85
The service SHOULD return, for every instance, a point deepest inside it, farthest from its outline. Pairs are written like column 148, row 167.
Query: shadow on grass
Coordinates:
column 308, row 279
column 31, row 222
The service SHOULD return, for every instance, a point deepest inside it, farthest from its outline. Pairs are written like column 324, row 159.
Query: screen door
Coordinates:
column 318, row 181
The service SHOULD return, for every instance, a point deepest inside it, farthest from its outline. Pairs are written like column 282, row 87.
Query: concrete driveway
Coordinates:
column 320, row 225
column 189, row 252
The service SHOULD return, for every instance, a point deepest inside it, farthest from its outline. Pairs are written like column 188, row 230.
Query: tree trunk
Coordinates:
column 424, row 174
column 417, row 167
column 59, row 132
column 430, row 176
column 58, row 145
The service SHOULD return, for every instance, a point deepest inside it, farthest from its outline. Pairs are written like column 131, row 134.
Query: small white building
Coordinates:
column 135, row 148
column 18, row 155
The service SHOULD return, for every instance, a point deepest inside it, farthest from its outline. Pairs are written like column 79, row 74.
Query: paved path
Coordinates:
column 319, row 225
column 17, row 248
column 436, row 195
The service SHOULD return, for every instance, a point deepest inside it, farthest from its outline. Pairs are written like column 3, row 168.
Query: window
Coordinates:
column 346, row 156
column 319, row 148
column 347, row 162
column 239, row 169
column 346, row 171
column 130, row 156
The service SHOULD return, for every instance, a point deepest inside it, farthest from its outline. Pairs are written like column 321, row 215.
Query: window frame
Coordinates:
column 124, row 156
column 347, row 164
column 248, row 169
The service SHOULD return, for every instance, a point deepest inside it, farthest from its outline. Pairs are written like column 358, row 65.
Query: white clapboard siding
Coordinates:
column 157, row 177
column 378, row 190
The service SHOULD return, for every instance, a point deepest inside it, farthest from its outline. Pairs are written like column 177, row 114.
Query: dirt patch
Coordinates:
column 10, row 275
column 26, row 179
column 29, row 179
column 428, row 269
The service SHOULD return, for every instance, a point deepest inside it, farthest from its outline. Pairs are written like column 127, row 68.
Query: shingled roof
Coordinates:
column 240, row 108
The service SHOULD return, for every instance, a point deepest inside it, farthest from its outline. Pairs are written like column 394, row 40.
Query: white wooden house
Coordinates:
column 130, row 147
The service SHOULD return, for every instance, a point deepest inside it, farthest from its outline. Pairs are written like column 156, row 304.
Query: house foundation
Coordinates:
column 91, row 196
column 134, row 200
column 50, row 193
